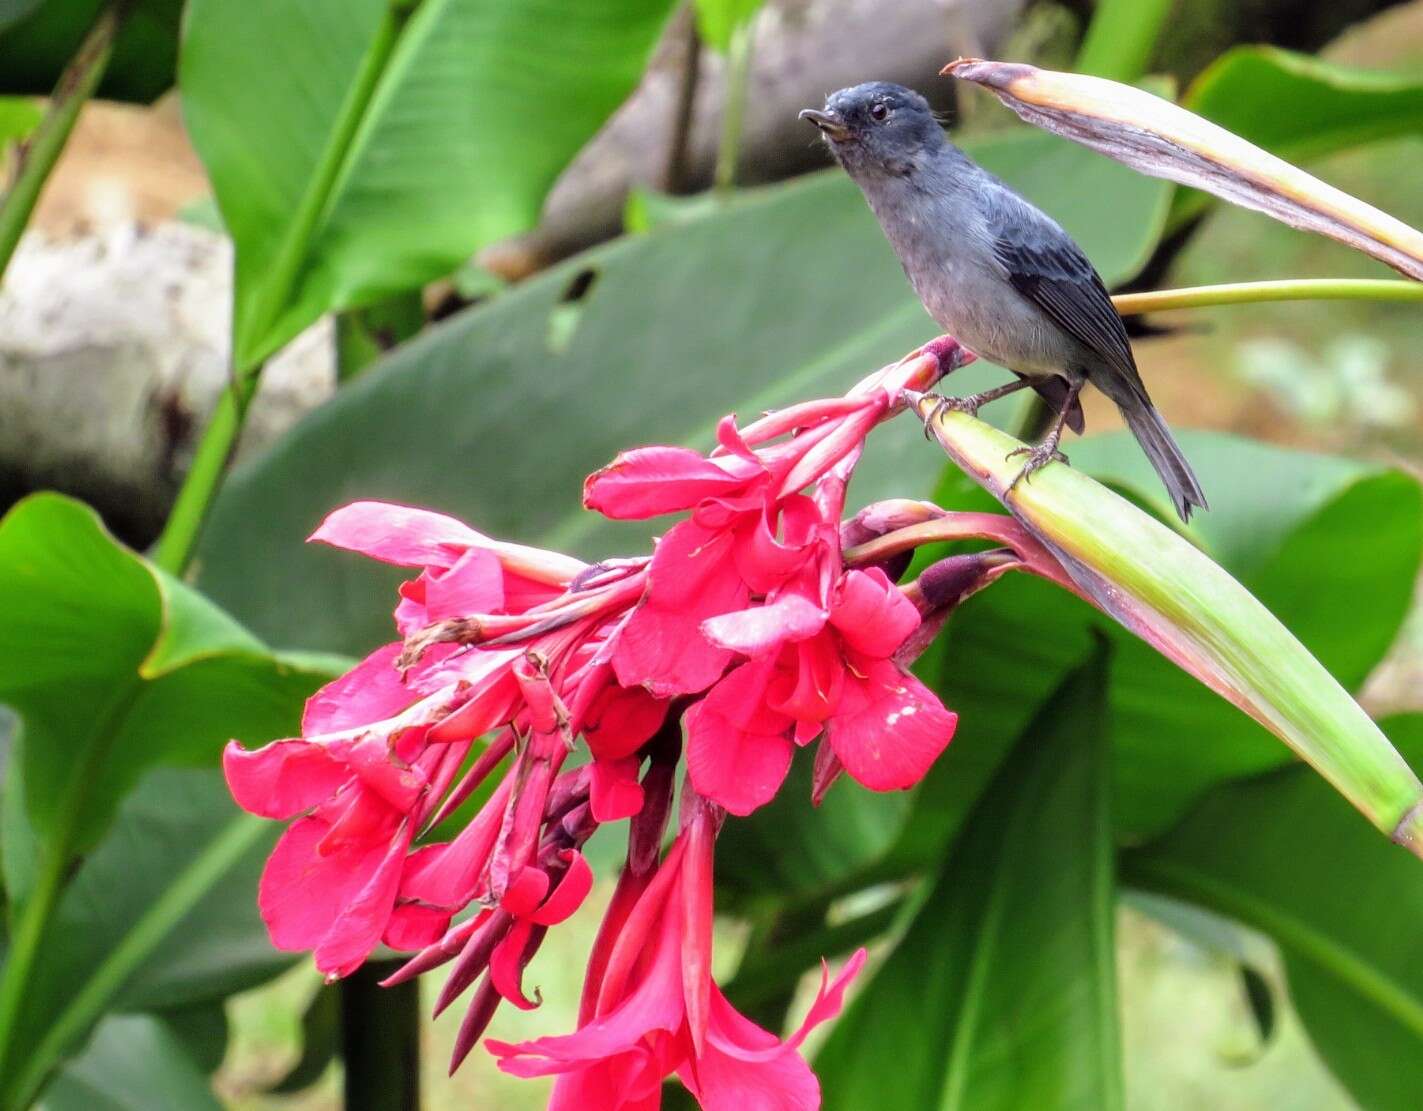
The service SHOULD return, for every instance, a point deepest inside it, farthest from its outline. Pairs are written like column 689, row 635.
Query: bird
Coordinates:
column 997, row 273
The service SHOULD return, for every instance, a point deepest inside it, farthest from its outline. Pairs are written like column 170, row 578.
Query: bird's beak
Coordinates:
column 829, row 123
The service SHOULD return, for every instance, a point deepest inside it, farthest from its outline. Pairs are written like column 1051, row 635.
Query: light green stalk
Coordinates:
column 1158, row 585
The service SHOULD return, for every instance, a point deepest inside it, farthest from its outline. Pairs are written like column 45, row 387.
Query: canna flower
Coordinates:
column 658, row 1012
column 746, row 632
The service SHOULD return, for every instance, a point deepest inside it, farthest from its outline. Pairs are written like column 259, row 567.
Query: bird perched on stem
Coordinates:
column 997, row 273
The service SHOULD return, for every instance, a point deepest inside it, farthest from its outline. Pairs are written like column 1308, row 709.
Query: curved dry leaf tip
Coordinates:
column 1162, row 139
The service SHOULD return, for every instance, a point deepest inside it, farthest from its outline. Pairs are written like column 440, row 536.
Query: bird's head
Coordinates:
column 877, row 126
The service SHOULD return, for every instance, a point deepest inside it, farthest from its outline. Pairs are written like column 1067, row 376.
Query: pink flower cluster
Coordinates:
column 743, row 636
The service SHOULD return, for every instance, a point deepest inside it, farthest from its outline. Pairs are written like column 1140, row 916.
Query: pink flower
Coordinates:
column 812, row 669
column 659, row 1012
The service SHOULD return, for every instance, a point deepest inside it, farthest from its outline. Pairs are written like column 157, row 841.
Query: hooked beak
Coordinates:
column 830, row 124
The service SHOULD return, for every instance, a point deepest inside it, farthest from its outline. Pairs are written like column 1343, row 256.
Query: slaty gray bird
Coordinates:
column 995, row 272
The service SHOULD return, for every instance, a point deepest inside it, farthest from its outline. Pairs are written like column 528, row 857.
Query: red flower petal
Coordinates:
column 889, row 728
column 283, row 778
column 371, row 691
column 414, row 926
column 475, row 584
column 762, row 629
column 871, row 614
column 614, row 790
column 398, row 534
column 661, row 646
column 621, row 720
column 649, row 481
column 506, row 965
column 525, row 891
column 737, row 750
column 568, row 896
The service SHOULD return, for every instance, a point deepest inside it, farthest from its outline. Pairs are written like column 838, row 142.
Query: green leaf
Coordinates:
column 1002, row 994
column 133, row 1063
column 791, row 850
column 1332, row 548
column 161, row 915
column 1284, row 854
column 117, row 896
column 395, row 139
column 37, row 40
column 164, row 677
column 1300, row 107
column 668, row 336
column 717, row 20
column 1200, row 619
column 19, row 115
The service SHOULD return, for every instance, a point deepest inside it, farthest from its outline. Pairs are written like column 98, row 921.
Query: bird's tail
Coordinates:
column 1165, row 455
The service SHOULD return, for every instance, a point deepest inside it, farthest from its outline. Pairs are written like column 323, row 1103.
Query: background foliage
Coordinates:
column 385, row 144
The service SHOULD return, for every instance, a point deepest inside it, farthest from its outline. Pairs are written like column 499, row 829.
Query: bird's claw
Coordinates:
column 942, row 405
column 1038, row 458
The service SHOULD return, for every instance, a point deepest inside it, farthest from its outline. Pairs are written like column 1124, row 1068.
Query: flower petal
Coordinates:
column 398, row 534
column 568, row 896
column 475, row 584
column 871, row 613
column 738, row 753
column 525, row 891
column 889, row 727
column 614, row 790
column 762, row 629
column 691, row 578
column 371, row 691
column 650, row 481
column 414, row 926
column 283, row 778
column 506, row 965
column 621, row 720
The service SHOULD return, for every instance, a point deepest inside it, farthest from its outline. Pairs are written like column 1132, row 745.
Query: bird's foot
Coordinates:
column 942, row 405
column 1038, row 458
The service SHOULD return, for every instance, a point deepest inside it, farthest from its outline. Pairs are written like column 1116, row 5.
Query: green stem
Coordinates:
column 55, row 860
column 40, row 152
column 1247, row 293
column 253, row 322
column 1121, row 38
column 180, row 534
column 738, row 75
column 142, row 939
column 252, row 325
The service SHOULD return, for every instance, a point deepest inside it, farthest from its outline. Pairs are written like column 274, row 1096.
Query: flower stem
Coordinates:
column 738, row 77
column 1248, row 293
column 180, row 534
column 251, row 328
column 40, row 152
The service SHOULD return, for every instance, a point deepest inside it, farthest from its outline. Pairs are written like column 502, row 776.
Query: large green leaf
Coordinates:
column 790, row 293
column 1330, row 546
column 116, row 896
column 1002, row 993
column 379, row 149
column 114, row 667
column 37, row 40
column 1300, row 107
column 1285, row 855
column 133, row 1063
column 161, row 915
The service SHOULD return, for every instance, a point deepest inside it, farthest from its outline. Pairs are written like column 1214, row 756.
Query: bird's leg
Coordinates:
column 1046, row 451
column 973, row 403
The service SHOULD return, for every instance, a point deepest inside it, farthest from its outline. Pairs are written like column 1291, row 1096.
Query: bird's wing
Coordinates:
column 1050, row 270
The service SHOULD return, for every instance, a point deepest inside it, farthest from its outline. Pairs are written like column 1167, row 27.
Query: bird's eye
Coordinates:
column 879, row 112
